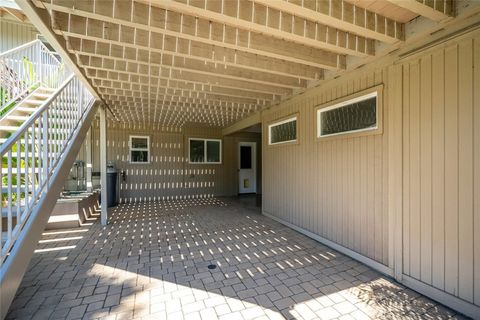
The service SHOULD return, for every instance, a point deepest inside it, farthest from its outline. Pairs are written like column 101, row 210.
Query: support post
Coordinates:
column 103, row 164
column 88, row 160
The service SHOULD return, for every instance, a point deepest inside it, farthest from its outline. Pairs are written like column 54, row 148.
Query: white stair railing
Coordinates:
column 30, row 155
column 25, row 68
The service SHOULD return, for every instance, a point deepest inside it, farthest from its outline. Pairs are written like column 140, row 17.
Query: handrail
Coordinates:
column 35, row 150
column 26, row 45
column 26, row 67
column 14, row 137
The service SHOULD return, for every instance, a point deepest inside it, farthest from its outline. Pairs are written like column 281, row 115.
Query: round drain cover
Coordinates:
column 212, row 266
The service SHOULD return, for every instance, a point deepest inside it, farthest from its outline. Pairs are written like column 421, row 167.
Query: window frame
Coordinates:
column 130, row 146
column 280, row 122
column 205, row 140
column 376, row 91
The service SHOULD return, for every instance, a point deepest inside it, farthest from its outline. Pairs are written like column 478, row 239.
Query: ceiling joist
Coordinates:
column 437, row 10
column 112, row 70
column 161, row 85
column 163, row 24
column 170, row 62
column 248, row 15
column 344, row 16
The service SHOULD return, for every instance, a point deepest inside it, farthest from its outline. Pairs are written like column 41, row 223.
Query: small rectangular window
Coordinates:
column 283, row 131
column 354, row 115
column 205, row 150
column 139, row 149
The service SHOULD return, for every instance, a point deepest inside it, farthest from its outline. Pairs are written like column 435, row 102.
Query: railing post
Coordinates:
column 88, row 159
column 45, row 161
column 40, row 63
column 103, row 165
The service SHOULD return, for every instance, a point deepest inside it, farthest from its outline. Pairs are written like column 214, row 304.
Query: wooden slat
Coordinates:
column 466, row 171
column 344, row 16
column 434, row 10
column 426, row 169
column 109, row 65
column 83, row 22
column 311, row 34
column 406, row 170
column 451, row 170
column 415, row 197
column 476, row 161
column 438, row 170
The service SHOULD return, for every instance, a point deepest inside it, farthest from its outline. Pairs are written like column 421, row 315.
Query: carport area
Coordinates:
column 152, row 262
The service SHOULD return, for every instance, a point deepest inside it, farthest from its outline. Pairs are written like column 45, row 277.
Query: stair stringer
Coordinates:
column 15, row 266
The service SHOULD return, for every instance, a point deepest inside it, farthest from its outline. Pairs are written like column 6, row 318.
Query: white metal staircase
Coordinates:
column 45, row 112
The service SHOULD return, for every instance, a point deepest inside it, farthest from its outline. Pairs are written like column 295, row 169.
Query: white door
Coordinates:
column 247, row 167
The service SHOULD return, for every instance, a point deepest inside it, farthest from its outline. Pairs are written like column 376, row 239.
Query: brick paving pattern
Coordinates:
column 152, row 261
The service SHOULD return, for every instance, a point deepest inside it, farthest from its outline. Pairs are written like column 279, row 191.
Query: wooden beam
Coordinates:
column 186, row 82
column 254, row 119
column 181, row 75
column 250, row 16
column 344, row 16
column 185, row 64
column 438, row 10
column 103, row 165
column 184, row 88
column 17, row 14
column 181, row 48
column 179, row 95
column 166, row 24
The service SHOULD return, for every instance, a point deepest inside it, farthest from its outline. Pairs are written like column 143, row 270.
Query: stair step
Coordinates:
column 44, row 96
column 9, row 128
column 17, row 118
column 31, row 101
column 26, row 109
column 51, row 90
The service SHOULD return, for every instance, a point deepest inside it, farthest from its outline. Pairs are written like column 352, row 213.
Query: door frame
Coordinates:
column 254, row 164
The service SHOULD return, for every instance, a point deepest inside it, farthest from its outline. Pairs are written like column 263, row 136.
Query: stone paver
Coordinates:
column 151, row 262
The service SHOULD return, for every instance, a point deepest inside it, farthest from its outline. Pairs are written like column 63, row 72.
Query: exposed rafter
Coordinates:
column 167, row 23
column 248, row 15
column 436, row 10
column 190, row 88
column 218, row 61
column 15, row 13
column 344, row 16
column 170, row 65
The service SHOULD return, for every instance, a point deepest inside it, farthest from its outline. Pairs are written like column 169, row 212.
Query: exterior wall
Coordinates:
column 169, row 175
column 409, row 198
column 334, row 188
column 441, row 176
column 14, row 34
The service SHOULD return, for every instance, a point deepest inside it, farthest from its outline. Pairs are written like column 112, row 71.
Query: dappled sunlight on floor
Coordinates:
column 204, row 259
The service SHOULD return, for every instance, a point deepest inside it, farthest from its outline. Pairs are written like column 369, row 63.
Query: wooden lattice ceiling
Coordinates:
column 217, row 61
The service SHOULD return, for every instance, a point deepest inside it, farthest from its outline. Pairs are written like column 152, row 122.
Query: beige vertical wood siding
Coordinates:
column 410, row 194
column 441, row 112
column 335, row 188
column 169, row 175
column 14, row 34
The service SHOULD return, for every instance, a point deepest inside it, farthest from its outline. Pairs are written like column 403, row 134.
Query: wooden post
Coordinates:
column 103, row 164
column 88, row 160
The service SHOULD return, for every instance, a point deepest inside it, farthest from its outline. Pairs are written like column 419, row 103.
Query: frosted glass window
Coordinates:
column 359, row 114
column 283, row 131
